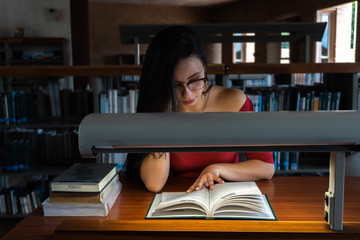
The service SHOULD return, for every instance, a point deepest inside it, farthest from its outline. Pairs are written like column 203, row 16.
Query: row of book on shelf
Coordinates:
column 115, row 158
column 290, row 99
column 20, row 107
column 112, row 102
column 286, row 161
column 268, row 80
column 23, row 148
column 20, row 200
column 89, row 189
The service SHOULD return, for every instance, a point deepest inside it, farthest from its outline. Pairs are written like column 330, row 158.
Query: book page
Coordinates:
column 170, row 199
column 246, row 193
column 230, row 200
column 241, row 210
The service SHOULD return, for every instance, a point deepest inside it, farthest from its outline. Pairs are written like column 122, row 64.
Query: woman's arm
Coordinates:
column 154, row 171
column 250, row 170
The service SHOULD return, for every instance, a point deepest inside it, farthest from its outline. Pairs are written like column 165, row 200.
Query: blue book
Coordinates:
column 308, row 102
column 103, row 102
column 275, row 154
column 28, row 154
column 29, row 107
column 294, row 160
column 336, row 98
column 20, row 107
column 11, row 107
column 2, row 158
column 312, row 101
column 328, row 101
column 321, row 101
column 285, row 161
column 11, row 157
column 298, row 101
column 2, row 109
column 260, row 102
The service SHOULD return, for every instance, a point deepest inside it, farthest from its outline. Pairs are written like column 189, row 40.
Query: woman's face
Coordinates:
column 189, row 82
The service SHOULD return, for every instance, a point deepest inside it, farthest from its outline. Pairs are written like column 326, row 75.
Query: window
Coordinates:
column 244, row 51
column 338, row 42
column 325, row 41
column 238, row 50
column 353, row 24
column 285, row 50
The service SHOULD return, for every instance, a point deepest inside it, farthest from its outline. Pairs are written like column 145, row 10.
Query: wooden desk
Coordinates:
column 298, row 203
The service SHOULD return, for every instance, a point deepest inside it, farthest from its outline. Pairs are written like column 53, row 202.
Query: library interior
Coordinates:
column 70, row 77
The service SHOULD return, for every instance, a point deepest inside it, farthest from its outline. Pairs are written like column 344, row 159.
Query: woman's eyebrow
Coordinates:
column 197, row 73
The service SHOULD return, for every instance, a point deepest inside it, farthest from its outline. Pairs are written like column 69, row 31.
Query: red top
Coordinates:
column 191, row 164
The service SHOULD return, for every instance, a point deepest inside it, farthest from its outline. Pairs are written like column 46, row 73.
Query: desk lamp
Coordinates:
column 336, row 132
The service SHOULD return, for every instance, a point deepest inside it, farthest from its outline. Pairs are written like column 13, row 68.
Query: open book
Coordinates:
column 239, row 200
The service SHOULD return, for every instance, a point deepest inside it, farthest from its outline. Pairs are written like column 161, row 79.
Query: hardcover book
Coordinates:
column 233, row 200
column 84, row 177
column 84, row 197
column 83, row 209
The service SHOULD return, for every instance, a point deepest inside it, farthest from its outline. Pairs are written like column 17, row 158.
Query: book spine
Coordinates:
column 114, row 101
column 11, row 107
column 285, row 162
column 110, row 101
column 21, row 199
column 5, row 102
column 125, row 104
column 28, row 147
column 102, row 102
column 337, row 101
column 2, row 204
column 294, row 160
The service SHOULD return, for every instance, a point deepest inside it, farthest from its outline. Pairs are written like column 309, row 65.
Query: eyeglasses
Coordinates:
column 192, row 85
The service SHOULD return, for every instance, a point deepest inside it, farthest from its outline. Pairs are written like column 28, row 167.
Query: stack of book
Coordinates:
column 83, row 190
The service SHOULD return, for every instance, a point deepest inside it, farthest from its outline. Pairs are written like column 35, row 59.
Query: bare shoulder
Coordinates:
column 228, row 99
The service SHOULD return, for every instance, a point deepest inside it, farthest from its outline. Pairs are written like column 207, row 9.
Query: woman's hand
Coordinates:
column 206, row 178
column 250, row 170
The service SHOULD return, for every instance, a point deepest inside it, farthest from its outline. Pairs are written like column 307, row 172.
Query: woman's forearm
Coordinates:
column 154, row 171
column 250, row 170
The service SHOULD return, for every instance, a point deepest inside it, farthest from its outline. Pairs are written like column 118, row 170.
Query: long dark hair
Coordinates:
column 167, row 48
column 157, row 92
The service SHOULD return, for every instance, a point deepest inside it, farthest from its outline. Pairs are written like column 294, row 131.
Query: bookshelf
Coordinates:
column 32, row 51
column 300, row 83
column 219, row 72
column 27, row 176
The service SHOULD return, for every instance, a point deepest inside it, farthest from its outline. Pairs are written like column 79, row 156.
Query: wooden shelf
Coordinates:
column 32, row 40
column 313, row 169
column 40, row 125
column 48, row 122
column 219, row 69
column 11, row 216
column 247, row 68
column 37, row 61
column 49, row 171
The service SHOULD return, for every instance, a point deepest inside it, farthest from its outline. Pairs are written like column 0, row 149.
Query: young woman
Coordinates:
column 174, row 80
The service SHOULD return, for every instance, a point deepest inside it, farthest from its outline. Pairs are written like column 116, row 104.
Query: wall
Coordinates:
column 106, row 16
column 275, row 11
column 34, row 16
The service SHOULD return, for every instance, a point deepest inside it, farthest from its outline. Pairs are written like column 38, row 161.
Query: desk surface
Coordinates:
column 298, row 203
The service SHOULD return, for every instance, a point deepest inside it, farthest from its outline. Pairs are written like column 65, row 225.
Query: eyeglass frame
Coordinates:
column 205, row 79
